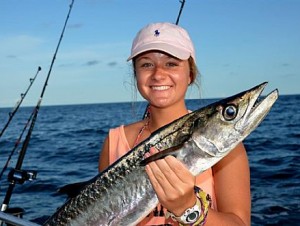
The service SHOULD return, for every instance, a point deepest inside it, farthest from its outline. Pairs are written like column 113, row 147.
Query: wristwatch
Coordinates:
column 190, row 215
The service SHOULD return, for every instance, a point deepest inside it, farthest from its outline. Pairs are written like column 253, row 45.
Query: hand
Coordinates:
column 172, row 182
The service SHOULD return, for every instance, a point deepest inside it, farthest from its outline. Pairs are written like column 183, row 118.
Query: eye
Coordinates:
column 230, row 112
column 146, row 65
column 171, row 64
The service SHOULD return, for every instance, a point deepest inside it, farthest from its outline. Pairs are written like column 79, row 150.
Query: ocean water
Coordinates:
column 66, row 141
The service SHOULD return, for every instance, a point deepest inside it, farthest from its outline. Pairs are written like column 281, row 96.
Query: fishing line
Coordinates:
column 17, row 175
column 19, row 102
column 146, row 112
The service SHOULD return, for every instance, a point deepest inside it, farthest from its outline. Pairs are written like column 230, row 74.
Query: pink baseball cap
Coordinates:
column 166, row 37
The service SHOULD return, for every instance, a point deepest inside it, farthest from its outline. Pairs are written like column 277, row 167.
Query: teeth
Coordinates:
column 160, row 87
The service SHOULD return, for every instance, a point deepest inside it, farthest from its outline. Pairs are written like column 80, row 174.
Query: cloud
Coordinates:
column 11, row 56
column 288, row 75
column 112, row 64
column 92, row 63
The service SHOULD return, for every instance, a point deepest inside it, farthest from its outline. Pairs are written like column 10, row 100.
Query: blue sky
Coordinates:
column 239, row 44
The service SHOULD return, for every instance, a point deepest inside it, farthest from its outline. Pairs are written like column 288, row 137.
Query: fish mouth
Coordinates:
column 257, row 108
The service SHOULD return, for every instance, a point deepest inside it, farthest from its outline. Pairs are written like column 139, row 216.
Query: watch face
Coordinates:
column 192, row 217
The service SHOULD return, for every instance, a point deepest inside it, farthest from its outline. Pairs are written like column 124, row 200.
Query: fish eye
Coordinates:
column 230, row 112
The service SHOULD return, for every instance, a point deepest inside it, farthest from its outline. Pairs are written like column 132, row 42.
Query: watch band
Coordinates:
column 197, row 214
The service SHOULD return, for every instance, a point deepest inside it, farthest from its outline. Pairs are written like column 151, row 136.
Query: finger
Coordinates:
column 157, row 176
column 160, row 192
column 153, row 150
column 168, row 177
column 171, row 192
column 182, row 172
column 174, row 171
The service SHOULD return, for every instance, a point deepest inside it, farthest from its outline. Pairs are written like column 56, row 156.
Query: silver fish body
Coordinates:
column 123, row 195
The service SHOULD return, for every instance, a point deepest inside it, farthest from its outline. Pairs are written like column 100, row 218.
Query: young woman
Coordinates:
column 163, row 59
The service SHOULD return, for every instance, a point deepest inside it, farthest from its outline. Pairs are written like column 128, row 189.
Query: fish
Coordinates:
column 123, row 195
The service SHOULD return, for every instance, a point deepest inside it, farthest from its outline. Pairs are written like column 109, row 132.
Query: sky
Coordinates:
column 239, row 44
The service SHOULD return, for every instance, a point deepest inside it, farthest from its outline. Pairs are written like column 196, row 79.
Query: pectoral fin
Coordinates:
column 161, row 154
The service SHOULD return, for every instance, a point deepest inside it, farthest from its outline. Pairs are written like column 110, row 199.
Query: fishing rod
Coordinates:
column 180, row 11
column 19, row 102
column 146, row 112
column 18, row 141
column 17, row 175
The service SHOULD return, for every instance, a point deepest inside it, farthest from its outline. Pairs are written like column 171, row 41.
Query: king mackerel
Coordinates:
column 123, row 195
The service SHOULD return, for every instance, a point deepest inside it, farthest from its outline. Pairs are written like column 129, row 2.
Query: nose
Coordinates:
column 159, row 73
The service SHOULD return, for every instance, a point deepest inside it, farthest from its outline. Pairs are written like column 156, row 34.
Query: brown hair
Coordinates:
column 193, row 70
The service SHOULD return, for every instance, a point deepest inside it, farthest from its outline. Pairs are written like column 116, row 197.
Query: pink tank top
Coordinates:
column 118, row 146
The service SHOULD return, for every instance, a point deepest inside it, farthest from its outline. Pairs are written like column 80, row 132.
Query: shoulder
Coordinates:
column 133, row 126
column 117, row 142
column 132, row 131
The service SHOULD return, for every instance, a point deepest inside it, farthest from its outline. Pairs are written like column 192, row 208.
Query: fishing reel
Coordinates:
column 20, row 176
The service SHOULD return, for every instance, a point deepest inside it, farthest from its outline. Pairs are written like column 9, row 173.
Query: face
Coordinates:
column 162, row 79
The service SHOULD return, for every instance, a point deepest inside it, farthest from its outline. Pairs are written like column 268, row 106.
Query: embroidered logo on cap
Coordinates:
column 156, row 33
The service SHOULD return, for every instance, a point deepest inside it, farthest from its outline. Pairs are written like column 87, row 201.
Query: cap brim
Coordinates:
column 175, row 51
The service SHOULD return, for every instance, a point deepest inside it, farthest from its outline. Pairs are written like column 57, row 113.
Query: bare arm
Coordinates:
column 232, row 187
column 104, row 156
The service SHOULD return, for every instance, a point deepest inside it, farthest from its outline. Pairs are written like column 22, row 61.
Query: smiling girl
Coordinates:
column 164, row 65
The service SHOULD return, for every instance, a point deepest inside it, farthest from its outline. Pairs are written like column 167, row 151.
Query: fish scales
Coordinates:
column 126, row 172
column 123, row 195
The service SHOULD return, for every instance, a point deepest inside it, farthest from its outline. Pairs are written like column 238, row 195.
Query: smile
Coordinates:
column 160, row 87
